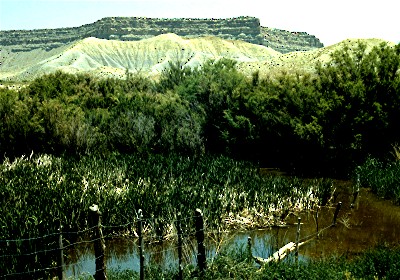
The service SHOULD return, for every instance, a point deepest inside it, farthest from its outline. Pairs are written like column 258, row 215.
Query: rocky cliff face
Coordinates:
column 286, row 41
column 247, row 29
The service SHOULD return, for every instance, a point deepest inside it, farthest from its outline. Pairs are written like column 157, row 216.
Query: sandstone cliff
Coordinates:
column 246, row 29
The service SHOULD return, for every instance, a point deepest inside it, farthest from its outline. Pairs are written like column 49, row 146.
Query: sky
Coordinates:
column 329, row 20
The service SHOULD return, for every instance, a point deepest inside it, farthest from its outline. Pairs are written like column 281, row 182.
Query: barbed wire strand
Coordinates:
column 46, row 268
column 86, row 230
column 82, row 242
column 51, row 250
column 45, row 236
column 118, row 226
column 151, row 240
column 314, row 234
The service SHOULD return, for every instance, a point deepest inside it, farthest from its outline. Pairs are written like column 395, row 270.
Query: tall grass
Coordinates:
column 41, row 191
column 383, row 177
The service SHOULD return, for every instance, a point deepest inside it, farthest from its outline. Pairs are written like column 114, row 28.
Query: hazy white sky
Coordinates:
column 331, row 21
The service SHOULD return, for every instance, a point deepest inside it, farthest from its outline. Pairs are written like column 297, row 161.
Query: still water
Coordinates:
column 369, row 222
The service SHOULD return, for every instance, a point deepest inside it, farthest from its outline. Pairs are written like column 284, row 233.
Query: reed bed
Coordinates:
column 383, row 177
column 41, row 191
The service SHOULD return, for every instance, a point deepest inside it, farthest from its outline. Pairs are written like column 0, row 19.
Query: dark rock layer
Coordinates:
column 247, row 29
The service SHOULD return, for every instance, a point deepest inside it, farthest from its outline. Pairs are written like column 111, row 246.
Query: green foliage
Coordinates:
column 328, row 121
column 62, row 113
column 40, row 192
column 378, row 263
column 215, row 91
column 360, row 90
column 231, row 263
column 381, row 262
column 173, row 75
column 382, row 177
column 287, row 113
column 19, row 126
column 301, row 122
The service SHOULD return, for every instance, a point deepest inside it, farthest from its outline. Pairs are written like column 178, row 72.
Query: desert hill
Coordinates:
column 111, row 58
column 305, row 61
column 111, row 45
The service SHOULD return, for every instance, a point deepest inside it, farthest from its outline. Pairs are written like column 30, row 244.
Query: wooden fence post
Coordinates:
column 317, row 222
column 99, row 244
column 356, row 191
column 249, row 252
column 339, row 205
column 61, row 265
column 140, row 233
column 201, row 250
column 297, row 238
column 179, row 232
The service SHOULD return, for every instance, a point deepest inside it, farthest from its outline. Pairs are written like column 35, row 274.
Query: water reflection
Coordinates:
column 371, row 221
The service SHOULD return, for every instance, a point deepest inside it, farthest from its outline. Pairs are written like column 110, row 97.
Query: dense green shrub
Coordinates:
column 328, row 121
column 360, row 89
column 383, row 177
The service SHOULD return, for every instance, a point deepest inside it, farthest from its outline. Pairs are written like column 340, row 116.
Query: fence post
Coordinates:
column 297, row 238
column 140, row 234
column 249, row 253
column 61, row 265
column 356, row 191
column 179, row 232
column 99, row 244
column 201, row 250
column 339, row 205
column 316, row 221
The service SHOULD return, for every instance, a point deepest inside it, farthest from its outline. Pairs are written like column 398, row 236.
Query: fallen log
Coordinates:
column 280, row 254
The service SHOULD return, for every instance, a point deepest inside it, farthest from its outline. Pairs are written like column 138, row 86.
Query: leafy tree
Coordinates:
column 217, row 90
column 360, row 89
column 172, row 76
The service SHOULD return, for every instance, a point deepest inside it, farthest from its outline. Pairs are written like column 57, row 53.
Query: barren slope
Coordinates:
column 306, row 60
column 112, row 58
column 107, row 58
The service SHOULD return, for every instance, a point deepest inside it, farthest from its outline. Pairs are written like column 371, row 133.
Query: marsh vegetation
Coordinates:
column 195, row 138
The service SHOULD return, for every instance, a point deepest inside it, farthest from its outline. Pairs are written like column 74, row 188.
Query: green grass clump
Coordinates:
column 382, row 177
column 234, row 263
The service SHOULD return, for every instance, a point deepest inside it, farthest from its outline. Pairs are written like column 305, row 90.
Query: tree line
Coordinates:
column 327, row 121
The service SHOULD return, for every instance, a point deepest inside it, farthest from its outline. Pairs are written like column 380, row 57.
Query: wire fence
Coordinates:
column 15, row 253
column 42, row 256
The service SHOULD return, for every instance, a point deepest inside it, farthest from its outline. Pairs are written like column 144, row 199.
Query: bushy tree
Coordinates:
column 360, row 88
column 347, row 110
column 14, row 123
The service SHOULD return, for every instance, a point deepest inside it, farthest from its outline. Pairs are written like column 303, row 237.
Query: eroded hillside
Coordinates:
column 111, row 58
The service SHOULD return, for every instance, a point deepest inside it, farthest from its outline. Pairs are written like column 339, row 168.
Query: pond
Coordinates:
column 367, row 223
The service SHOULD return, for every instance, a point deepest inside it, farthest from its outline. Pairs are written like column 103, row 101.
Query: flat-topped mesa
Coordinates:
column 247, row 29
column 287, row 41
column 129, row 28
